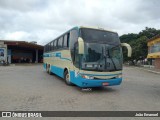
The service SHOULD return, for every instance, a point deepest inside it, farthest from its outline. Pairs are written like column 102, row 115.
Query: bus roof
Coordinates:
column 77, row 27
column 97, row 28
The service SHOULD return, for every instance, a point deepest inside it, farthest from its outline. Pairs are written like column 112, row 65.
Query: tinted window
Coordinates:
column 73, row 45
column 66, row 39
column 76, row 56
column 99, row 36
column 60, row 42
column 47, row 47
column 73, row 38
column 55, row 44
column 51, row 45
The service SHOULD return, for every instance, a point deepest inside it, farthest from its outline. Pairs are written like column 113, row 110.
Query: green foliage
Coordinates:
column 138, row 43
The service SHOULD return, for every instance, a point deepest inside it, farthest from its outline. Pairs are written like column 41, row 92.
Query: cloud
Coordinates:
column 17, row 35
column 22, row 5
column 43, row 20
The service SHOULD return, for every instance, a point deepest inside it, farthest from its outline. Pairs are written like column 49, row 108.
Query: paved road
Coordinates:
column 31, row 88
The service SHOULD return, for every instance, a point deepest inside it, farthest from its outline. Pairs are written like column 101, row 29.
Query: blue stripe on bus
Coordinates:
column 56, row 55
column 66, row 59
column 45, row 55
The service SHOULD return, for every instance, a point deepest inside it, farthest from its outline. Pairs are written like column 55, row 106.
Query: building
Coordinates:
column 20, row 52
column 154, row 51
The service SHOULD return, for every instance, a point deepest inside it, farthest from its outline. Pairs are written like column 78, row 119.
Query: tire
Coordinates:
column 49, row 70
column 66, row 77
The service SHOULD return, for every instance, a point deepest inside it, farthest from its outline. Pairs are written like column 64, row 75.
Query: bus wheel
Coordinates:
column 49, row 70
column 66, row 77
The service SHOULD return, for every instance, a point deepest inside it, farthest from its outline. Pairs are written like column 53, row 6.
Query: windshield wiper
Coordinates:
column 104, row 57
column 111, row 59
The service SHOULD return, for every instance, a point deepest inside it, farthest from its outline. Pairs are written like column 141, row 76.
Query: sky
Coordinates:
column 44, row 20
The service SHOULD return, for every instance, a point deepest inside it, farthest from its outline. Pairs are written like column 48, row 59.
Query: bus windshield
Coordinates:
column 99, row 36
column 102, row 51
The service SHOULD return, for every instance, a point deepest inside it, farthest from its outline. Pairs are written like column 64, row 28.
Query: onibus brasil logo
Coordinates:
column 21, row 114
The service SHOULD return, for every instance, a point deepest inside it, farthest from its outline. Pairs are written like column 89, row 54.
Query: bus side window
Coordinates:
column 73, row 38
column 52, row 45
column 49, row 46
column 73, row 41
column 60, row 42
column 76, row 55
column 68, row 36
column 55, row 44
column 44, row 48
column 66, row 39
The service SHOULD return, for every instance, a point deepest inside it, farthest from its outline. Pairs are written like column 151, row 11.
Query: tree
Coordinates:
column 138, row 43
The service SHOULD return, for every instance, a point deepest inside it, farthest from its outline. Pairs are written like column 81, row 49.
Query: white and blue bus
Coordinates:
column 86, row 57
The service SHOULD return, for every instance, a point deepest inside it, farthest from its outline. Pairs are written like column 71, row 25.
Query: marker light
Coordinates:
column 119, row 76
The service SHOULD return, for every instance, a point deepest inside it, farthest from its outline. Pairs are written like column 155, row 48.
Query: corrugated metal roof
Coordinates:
column 22, row 44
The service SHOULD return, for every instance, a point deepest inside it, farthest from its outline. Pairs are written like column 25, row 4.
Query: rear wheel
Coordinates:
column 49, row 70
column 67, row 78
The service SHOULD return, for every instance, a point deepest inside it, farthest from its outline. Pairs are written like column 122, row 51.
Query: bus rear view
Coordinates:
column 96, row 58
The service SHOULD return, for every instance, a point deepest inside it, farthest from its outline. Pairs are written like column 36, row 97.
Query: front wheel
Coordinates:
column 67, row 78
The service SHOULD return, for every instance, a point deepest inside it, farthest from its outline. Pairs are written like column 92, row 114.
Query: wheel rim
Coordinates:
column 67, row 77
column 49, row 70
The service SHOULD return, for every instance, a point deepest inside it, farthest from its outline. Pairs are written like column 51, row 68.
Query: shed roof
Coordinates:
column 22, row 44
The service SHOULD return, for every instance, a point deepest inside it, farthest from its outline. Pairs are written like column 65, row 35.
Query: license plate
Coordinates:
column 105, row 84
column 89, row 65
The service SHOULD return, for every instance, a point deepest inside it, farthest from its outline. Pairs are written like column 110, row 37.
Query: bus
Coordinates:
column 86, row 57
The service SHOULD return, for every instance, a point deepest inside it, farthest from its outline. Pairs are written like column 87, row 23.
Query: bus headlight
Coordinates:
column 119, row 76
column 87, row 77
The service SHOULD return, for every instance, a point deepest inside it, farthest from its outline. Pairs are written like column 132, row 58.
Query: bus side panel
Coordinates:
column 58, row 71
column 74, row 80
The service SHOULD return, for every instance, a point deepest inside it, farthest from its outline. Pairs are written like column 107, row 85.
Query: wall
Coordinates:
column 157, row 63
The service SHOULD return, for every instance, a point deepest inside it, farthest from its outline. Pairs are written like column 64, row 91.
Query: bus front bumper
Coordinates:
column 82, row 82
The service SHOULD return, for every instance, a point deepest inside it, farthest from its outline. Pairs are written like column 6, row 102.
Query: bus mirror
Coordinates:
column 128, row 48
column 81, row 45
